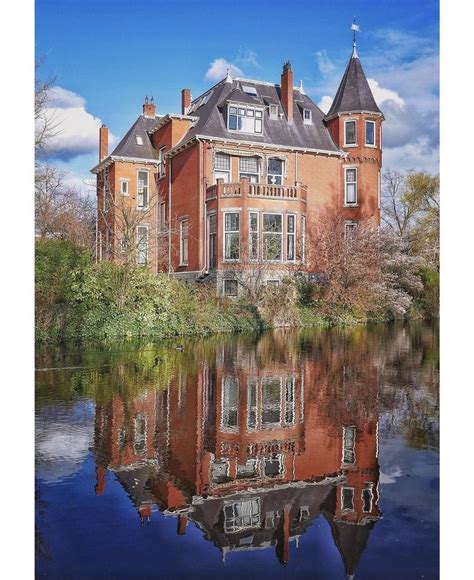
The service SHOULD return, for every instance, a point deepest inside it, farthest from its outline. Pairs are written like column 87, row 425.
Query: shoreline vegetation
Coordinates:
column 77, row 299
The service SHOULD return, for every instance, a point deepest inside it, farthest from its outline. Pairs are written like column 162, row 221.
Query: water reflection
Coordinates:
column 253, row 438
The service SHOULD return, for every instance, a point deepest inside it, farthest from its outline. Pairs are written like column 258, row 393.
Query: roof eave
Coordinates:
column 168, row 118
column 113, row 158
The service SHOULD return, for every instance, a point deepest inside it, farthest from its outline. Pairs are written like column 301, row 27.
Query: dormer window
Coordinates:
column 249, row 90
column 307, row 116
column 273, row 112
column 244, row 119
column 139, row 139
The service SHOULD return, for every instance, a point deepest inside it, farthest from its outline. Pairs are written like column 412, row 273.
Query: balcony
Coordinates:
column 243, row 188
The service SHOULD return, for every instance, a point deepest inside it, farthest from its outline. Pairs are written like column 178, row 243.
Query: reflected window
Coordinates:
column 348, row 451
column 241, row 515
column 303, row 513
column 140, row 434
column 230, row 403
column 367, row 497
column 249, row 469
column 252, row 405
column 219, row 470
column 347, row 497
column 271, row 402
column 273, row 466
column 290, row 401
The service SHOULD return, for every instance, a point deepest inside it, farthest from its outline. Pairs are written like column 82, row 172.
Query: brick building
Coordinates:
column 237, row 180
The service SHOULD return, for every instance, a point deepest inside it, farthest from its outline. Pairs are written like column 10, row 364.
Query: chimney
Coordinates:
column 185, row 101
column 149, row 109
column 287, row 90
column 103, row 143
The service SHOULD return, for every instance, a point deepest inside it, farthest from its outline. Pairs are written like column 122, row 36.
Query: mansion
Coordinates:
column 238, row 179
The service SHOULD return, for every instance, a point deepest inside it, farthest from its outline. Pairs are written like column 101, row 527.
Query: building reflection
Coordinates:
column 252, row 453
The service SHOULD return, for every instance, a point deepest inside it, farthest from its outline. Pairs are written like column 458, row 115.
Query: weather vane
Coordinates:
column 355, row 28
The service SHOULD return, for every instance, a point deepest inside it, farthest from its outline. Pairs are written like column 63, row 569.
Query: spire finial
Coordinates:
column 228, row 78
column 301, row 88
column 355, row 28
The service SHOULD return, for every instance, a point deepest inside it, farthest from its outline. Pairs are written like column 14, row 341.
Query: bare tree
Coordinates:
column 46, row 126
column 61, row 211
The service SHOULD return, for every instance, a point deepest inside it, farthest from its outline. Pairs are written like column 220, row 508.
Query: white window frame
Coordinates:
column 224, row 237
column 242, row 112
column 273, row 112
column 290, row 235
column 161, row 161
column 346, row 121
column 373, row 145
column 264, row 233
column 352, row 451
column 303, row 238
column 183, row 260
column 143, row 226
column 346, row 183
column 309, row 120
column 237, row 523
column 138, row 139
column 347, row 509
column 368, row 487
column 282, row 175
column 218, row 173
column 162, row 216
column 123, row 182
column 249, row 174
column 255, row 233
column 146, row 188
column 236, row 286
column 225, row 426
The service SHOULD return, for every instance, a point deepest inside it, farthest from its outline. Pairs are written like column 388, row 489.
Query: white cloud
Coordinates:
column 325, row 64
column 77, row 130
column 218, row 70
column 392, row 477
column 247, row 57
column 381, row 94
column 325, row 103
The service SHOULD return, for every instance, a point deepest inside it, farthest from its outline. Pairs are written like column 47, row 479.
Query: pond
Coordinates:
column 295, row 453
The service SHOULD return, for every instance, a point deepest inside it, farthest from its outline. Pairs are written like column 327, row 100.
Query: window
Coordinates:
column 183, row 246
column 138, row 139
column 162, row 216
column 222, row 167
column 242, row 514
column 350, row 186
column 290, row 237
column 275, row 171
column 271, row 402
column 142, row 245
column 367, row 497
column 249, row 90
column 370, row 133
column 307, row 116
column 252, row 404
column 289, row 401
column 350, row 133
column 273, row 112
column 161, row 161
column 253, row 235
column 123, row 247
column 142, row 189
column 347, row 497
column 232, row 236
column 272, row 237
column 348, row 451
column 349, row 228
column 245, row 119
column 249, row 167
column 124, row 186
column 219, row 470
column 230, row 403
column 303, row 237
column 273, row 465
column 231, row 288
column 140, row 435
column 246, row 470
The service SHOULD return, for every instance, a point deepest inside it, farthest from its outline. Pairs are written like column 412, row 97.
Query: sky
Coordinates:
column 106, row 55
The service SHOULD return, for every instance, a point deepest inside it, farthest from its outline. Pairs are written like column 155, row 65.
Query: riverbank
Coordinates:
column 80, row 300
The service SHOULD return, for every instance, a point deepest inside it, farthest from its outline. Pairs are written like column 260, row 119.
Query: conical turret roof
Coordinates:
column 353, row 94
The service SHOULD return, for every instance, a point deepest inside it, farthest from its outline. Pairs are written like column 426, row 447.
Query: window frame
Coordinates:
column 123, row 182
column 257, row 118
column 346, row 183
column 282, row 175
column 227, row 294
column 226, row 172
column 226, row 233
column 349, row 226
column 344, row 460
column 139, row 263
column 161, row 162
column 264, row 234
column 183, row 247
column 255, row 233
column 290, row 235
column 343, row 508
column 346, row 122
column 162, row 216
column 308, row 121
column 273, row 112
column 367, row 144
column 146, row 197
column 250, row 174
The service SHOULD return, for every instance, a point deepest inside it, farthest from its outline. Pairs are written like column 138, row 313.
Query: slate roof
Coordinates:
column 128, row 146
column 212, row 120
column 354, row 93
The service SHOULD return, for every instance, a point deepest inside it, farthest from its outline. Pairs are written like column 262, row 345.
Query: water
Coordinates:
column 294, row 454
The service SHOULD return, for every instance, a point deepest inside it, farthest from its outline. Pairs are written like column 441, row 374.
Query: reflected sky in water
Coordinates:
column 308, row 453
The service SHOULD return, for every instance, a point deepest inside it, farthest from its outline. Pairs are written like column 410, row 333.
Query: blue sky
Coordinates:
column 107, row 55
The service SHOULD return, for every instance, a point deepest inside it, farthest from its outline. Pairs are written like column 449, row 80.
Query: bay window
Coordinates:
column 275, row 171
column 272, row 236
column 249, row 168
column 232, row 236
column 350, row 133
column 222, row 167
column 290, row 237
column 350, row 187
column 142, row 189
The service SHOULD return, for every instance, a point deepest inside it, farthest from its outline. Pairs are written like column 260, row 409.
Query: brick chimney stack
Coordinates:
column 185, row 101
column 103, row 143
column 287, row 90
column 149, row 109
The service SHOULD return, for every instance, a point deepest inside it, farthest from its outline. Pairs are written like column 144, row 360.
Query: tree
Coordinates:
column 46, row 127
